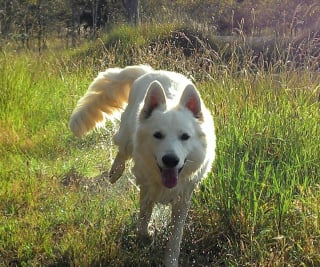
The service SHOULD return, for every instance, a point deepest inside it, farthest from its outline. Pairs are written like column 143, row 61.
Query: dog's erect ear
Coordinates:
column 191, row 100
column 155, row 98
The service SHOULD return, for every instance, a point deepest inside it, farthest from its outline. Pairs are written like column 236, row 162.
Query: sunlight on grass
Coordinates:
column 260, row 205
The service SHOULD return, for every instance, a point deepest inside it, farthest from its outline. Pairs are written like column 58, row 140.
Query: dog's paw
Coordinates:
column 144, row 239
column 115, row 174
column 107, row 176
column 170, row 263
column 146, row 235
column 170, row 260
column 117, row 169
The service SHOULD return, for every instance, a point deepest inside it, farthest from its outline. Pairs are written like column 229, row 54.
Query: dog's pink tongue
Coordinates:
column 169, row 177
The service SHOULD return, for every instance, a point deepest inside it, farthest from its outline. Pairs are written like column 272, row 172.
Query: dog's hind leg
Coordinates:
column 117, row 167
column 124, row 153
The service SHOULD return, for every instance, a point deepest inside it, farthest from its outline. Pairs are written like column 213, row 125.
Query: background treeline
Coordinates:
column 32, row 23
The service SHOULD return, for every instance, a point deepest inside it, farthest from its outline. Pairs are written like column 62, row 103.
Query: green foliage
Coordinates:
column 259, row 206
column 265, row 165
column 125, row 36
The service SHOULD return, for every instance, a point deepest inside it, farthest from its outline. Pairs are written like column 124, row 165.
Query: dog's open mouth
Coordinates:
column 169, row 176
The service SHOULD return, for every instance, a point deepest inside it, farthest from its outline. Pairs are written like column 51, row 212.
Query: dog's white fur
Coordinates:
column 165, row 128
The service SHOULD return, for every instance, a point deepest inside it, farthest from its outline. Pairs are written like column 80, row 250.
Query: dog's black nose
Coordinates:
column 170, row 160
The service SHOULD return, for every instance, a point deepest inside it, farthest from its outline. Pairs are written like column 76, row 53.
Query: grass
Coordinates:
column 266, row 166
column 259, row 206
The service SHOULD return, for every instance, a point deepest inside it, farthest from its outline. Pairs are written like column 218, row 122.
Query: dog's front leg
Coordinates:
column 146, row 207
column 179, row 213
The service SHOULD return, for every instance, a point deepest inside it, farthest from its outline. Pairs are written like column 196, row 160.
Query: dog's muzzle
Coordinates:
column 170, row 171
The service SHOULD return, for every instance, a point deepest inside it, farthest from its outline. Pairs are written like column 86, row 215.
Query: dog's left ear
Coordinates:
column 155, row 98
column 191, row 100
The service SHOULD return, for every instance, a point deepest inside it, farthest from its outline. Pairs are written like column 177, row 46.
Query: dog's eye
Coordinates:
column 158, row 135
column 184, row 137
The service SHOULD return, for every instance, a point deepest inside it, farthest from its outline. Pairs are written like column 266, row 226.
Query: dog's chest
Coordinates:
column 164, row 195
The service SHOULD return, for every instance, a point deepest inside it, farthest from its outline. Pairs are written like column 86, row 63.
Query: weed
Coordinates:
column 259, row 206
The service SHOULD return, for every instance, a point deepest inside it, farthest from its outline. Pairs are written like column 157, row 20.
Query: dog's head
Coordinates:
column 170, row 140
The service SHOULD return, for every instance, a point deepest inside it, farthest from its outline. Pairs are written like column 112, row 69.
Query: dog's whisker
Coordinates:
column 189, row 160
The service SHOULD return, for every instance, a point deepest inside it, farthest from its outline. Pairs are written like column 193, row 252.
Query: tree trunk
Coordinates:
column 132, row 10
column 94, row 18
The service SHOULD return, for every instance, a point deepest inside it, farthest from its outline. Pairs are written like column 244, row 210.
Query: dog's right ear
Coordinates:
column 155, row 98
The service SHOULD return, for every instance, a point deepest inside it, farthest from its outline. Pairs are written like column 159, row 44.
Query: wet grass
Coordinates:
column 259, row 206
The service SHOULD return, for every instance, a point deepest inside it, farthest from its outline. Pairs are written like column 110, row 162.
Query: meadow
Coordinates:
column 260, row 205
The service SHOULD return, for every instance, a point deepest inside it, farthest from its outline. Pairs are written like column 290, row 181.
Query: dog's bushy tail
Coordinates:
column 107, row 95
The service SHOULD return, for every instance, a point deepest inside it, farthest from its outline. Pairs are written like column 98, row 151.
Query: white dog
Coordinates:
column 167, row 131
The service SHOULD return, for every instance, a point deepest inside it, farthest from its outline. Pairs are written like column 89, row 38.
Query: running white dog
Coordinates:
column 167, row 131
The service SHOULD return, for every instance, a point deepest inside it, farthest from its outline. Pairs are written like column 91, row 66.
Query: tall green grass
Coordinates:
column 259, row 206
column 267, row 163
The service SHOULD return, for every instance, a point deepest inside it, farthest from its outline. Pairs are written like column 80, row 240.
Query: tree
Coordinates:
column 132, row 10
